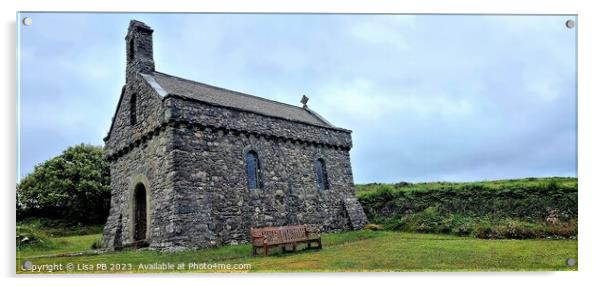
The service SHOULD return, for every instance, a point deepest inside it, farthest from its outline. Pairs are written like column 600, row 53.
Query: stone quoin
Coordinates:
column 196, row 166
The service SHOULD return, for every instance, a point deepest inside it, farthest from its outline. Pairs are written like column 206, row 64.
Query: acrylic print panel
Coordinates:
column 193, row 143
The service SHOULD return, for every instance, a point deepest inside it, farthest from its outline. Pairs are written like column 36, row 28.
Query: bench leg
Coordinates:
column 294, row 246
column 283, row 247
column 265, row 250
column 254, row 250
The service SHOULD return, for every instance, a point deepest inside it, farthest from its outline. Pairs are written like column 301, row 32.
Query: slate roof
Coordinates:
column 168, row 84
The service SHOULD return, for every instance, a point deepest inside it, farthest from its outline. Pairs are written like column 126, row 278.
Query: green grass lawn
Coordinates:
column 348, row 251
column 60, row 245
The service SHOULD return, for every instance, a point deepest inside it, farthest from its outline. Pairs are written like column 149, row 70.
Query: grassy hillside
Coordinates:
column 521, row 208
column 346, row 251
column 491, row 185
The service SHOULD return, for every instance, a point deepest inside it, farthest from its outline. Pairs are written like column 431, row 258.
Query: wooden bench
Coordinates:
column 267, row 237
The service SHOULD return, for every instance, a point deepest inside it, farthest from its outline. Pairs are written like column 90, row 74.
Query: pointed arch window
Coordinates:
column 133, row 108
column 253, row 170
column 321, row 175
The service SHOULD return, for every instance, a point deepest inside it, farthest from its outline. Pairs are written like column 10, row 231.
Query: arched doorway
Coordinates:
column 140, row 221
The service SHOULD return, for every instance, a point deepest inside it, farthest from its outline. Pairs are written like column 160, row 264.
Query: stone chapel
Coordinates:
column 194, row 165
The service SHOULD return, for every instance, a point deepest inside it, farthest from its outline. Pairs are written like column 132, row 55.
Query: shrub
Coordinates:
column 28, row 237
column 457, row 224
column 522, row 208
column 510, row 228
column 57, row 228
column 561, row 230
column 522, row 199
column 484, row 229
column 396, row 224
column 427, row 221
column 432, row 220
column 73, row 186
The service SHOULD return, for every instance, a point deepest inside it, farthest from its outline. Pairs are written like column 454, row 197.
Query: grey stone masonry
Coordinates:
column 196, row 166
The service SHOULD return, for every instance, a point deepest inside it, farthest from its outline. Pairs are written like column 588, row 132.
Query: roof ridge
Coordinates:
column 238, row 92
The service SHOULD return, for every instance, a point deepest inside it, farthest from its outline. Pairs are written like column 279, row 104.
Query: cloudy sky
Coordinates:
column 428, row 97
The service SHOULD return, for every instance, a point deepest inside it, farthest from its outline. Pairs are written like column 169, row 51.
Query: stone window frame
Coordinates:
column 259, row 170
column 322, row 169
column 135, row 181
column 131, row 49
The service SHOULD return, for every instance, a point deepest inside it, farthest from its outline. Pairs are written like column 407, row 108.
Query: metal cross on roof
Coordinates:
column 304, row 100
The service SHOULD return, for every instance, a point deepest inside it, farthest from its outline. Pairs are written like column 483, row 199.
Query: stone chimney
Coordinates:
column 139, row 49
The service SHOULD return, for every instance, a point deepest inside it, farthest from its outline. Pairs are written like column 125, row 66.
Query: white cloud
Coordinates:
column 385, row 30
column 542, row 83
column 362, row 99
column 543, row 90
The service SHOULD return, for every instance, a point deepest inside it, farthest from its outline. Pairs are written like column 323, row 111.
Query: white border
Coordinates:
column 589, row 128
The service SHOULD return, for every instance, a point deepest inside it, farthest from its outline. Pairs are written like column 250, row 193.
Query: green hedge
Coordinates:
column 524, row 208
